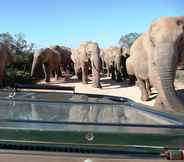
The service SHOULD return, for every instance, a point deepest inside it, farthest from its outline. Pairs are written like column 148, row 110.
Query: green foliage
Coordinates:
column 128, row 39
column 23, row 77
column 21, row 51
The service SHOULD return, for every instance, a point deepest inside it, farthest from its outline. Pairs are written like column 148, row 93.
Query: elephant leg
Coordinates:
column 46, row 72
column 79, row 74
column 62, row 69
column 96, row 72
column 118, row 76
column 144, row 93
column 78, row 71
column 104, row 67
column 58, row 72
column 85, row 72
column 124, row 73
column 113, row 71
column 148, row 86
column 108, row 71
column 103, row 71
column 96, row 78
column 132, row 80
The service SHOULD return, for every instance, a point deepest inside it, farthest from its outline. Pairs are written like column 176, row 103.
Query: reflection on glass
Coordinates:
column 75, row 112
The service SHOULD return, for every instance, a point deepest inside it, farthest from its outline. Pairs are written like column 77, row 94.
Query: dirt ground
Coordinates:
column 110, row 87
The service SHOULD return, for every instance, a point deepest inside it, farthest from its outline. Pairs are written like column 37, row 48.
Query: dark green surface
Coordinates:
column 110, row 139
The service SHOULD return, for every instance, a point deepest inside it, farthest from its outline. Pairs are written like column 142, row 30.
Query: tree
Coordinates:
column 128, row 39
column 22, row 51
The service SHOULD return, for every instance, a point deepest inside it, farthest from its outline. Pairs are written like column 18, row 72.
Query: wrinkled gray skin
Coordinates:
column 114, row 58
column 119, row 67
column 162, row 46
column 67, row 64
column 137, row 64
column 77, row 63
column 107, row 56
column 5, row 58
column 50, row 60
column 88, row 54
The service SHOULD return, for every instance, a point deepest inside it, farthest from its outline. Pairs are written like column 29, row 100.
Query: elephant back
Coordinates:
column 65, row 54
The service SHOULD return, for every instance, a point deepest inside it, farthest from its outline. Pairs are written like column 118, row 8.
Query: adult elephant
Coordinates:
column 159, row 51
column 5, row 58
column 119, row 71
column 107, row 57
column 50, row 60
column 88, row 54
column 114, row 58
column 67, row 64
column 137, row 64
column 77, row 63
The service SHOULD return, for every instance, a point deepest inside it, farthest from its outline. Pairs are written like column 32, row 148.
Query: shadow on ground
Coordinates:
column 180, row 94
column 111, row 84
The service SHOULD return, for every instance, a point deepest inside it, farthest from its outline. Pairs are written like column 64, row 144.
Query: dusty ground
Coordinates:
column 110, row 87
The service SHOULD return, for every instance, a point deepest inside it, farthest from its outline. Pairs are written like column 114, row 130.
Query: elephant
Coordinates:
column 50, row 60
column 119, row 71
column 107, row 57
column 54, row 59
column 77, row 63
column 114, row 59
column 67, row 64
column 85, row 57
column 154, row 57
column 5, row 58
column 140, row 70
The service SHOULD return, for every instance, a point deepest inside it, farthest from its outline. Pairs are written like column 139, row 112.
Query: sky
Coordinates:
column 68, row 22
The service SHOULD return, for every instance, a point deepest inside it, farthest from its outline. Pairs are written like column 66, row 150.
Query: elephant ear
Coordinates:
column 48, row 53
column 151, row 33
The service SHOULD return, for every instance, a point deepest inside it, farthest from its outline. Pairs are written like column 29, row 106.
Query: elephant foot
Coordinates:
column 85, row 82
column 136, row 83
column 144, row 98
column 47, row 80
column 96, row 86
column 149, row 93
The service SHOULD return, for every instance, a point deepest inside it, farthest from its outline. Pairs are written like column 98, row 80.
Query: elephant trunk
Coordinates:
column 33, row 67
column 167, row 62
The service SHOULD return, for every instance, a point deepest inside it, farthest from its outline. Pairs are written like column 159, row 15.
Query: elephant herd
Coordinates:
column 152, row 60
column 87, row 59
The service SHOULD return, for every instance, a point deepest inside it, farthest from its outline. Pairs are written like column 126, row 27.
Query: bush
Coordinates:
column 13, row 76
column 23, row 77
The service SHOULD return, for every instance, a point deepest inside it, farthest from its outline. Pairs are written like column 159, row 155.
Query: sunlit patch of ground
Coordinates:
column 110, row 87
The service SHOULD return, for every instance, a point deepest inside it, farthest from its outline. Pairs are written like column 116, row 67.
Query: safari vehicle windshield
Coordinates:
column 38, row 120
column 56, row 107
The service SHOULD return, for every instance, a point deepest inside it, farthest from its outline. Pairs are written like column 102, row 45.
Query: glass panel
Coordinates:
column 102, row 110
